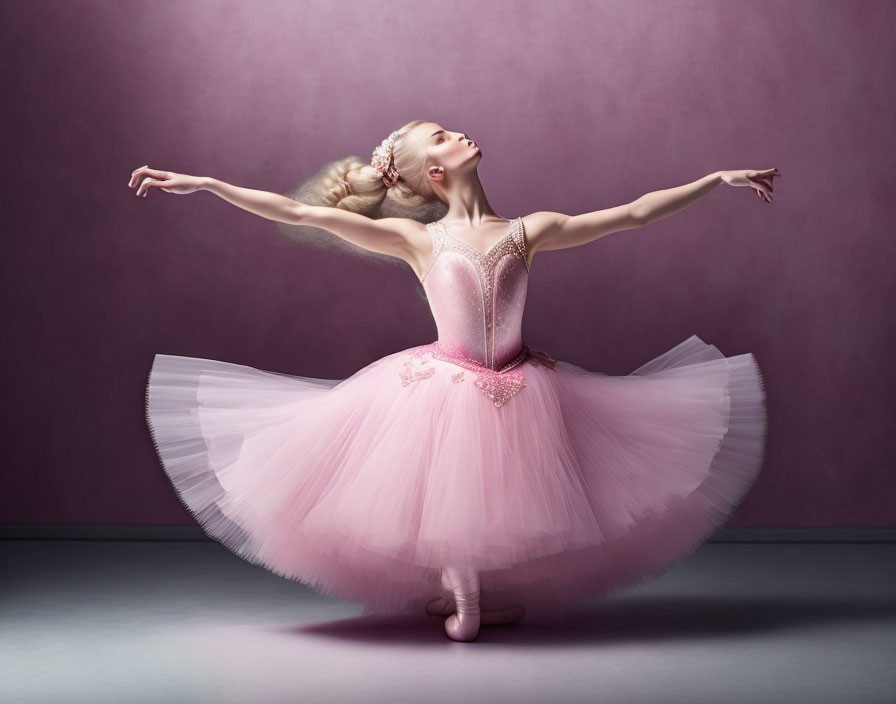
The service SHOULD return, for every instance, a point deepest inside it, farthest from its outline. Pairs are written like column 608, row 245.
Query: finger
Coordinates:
column 153, row 173
column 766, row 182
column 134, row 176
column 146, row 171
column 761, row 185
column 157, row 173
column 145, row 186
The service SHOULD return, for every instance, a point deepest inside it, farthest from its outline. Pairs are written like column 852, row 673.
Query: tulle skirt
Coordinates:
column 580, row 485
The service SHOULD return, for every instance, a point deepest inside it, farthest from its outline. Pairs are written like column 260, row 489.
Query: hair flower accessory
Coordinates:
column 382, row 160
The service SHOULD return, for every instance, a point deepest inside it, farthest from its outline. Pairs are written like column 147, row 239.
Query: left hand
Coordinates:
column 761, row 181
column 145, row 178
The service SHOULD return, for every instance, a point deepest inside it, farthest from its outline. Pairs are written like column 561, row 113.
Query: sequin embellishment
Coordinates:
column 484, row 262
column 408, row 374
column 499, row 385
column 514, row 242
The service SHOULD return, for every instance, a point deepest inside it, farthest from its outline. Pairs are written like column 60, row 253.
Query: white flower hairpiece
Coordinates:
column 382, row 160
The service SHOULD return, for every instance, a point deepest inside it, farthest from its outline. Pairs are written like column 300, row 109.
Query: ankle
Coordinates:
column 467, row 602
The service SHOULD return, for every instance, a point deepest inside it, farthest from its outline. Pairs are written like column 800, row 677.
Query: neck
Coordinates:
column 467, row 204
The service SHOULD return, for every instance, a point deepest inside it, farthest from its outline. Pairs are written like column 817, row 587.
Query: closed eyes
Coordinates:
column 441, row 136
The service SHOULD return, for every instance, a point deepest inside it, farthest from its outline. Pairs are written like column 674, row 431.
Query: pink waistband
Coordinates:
column 498, row 384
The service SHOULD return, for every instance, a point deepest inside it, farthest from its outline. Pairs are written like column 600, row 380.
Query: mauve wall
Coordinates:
column 578, row 106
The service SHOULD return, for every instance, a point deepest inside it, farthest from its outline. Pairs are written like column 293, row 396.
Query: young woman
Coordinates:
column 473, row 466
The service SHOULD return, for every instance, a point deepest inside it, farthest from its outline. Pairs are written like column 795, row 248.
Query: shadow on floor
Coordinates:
column 634, row 620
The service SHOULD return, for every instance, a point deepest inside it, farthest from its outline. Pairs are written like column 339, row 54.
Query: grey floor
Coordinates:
column 144, row 621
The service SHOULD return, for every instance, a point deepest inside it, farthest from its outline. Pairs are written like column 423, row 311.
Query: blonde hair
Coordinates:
column 352, row 184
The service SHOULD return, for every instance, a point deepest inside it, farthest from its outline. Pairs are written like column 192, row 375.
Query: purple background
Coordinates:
column 578, row 106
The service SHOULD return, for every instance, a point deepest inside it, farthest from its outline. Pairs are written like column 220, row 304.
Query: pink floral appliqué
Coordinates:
column 499, row 385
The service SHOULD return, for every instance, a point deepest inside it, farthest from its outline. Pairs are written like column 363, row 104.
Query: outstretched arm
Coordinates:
column 657, row 205
column 398, row 237
column 268, row 205
column 551, row 230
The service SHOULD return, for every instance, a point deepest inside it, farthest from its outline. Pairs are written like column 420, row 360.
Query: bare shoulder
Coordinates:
column 546, row 230
column 540, row 226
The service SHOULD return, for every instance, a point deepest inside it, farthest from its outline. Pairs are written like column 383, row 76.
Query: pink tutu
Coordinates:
column 363, row 488
column 556, row 483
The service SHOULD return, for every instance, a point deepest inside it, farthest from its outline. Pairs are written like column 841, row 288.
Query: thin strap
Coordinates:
column 520, row 236
column 434, row 241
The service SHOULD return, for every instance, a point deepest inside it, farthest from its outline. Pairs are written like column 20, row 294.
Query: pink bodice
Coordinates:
column 477, row 299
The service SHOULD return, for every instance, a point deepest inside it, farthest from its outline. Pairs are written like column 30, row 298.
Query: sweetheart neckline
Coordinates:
column 510, row 224
column 478, row 257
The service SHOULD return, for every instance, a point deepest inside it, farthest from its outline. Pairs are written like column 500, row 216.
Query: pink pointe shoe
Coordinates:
column 463, row 625
column 445, row 606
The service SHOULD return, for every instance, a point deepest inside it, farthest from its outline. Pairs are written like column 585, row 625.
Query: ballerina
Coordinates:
column 474, row 465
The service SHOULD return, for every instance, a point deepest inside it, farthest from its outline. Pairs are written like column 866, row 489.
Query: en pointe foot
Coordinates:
column 445, row 607
column 463, row 626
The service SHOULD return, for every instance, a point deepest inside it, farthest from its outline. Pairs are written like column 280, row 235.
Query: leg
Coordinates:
column 463, row 625
column 445, row 606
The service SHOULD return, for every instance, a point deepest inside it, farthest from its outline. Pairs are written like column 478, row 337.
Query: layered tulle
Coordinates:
column 362, row 488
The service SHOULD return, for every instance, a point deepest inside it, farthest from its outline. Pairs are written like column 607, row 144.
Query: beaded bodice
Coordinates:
column 477, row 299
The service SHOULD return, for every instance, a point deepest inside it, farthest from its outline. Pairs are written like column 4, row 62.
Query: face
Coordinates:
column 454, row 151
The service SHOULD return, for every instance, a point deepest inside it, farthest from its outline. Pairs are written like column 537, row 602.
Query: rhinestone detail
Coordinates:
column 514, row 242
column 499, row 385
column 409, row 375
column 442, row 239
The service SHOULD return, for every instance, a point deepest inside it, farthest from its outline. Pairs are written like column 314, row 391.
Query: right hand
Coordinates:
column 760, row 181
column 145, row 178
